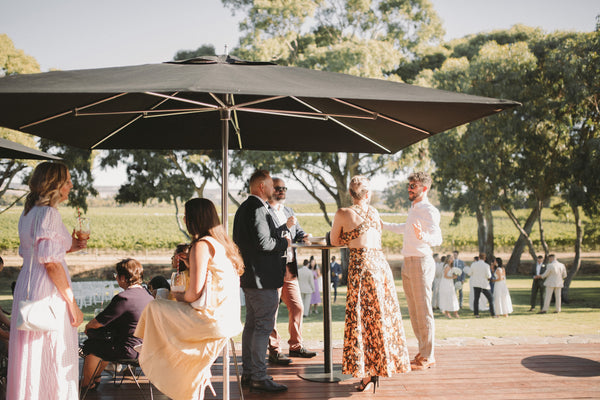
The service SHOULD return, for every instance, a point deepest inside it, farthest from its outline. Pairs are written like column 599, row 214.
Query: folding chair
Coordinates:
column 132, row 365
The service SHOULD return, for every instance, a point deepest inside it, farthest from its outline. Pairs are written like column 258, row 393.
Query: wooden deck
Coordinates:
column 535, row 371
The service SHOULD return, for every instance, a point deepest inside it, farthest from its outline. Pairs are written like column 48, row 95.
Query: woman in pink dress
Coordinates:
column 315, row 299
column 45, row 365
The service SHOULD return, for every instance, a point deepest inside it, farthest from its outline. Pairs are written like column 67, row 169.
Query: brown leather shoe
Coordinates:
column 279, row 358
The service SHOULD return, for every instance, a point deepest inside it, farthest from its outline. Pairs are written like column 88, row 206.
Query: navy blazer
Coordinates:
column 258, row 237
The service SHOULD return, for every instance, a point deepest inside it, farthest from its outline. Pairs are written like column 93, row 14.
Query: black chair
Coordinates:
column 132, row 365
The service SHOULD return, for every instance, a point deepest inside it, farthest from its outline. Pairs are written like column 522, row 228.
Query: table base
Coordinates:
column 318, row 374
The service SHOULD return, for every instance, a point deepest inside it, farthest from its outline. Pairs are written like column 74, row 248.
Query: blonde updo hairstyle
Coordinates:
column 45, row 184
column 359, row 187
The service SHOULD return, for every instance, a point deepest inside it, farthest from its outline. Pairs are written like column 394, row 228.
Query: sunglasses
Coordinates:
column 280, row 188
column 413, row 185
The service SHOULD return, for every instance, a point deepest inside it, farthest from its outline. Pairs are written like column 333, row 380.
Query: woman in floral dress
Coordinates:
column 374, row 340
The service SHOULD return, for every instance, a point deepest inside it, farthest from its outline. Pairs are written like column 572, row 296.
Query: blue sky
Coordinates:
column 75, row 34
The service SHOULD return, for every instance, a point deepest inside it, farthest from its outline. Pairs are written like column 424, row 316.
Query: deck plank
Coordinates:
column 532, row 371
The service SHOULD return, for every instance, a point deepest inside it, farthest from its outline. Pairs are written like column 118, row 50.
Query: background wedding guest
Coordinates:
column 460, row 279
column 336, row 276
column 306, row 281
column 555, row 274
column 158, row 282
column 480, row 276
column 502, row 300
column 316, row 296
column 447, row 294
column 40, row 363
column 537, row 284
column 117, row 321
column 374, row 340
column 435, row 288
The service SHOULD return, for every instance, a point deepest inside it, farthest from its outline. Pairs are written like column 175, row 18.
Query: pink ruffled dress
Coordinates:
column 42, row 365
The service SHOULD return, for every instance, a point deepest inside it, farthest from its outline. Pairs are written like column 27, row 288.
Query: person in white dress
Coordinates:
column 502, row 301
column 447, row 296
column 435, row 289
column 44, row 365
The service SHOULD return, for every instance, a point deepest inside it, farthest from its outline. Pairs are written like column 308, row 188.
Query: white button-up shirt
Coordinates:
column 429, row 218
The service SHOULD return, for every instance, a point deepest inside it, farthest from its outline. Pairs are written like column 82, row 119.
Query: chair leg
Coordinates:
column 237, row 372
column 92, row 379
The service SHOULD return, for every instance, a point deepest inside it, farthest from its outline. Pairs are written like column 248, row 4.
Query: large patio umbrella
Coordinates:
column 12, row 150
column 192, row 104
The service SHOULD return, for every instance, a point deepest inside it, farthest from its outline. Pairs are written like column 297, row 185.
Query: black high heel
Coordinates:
column 373, row 381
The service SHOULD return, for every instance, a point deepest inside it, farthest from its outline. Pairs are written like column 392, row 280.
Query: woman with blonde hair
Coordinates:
column 182, row 338
column 374, row 340
column 45, row 365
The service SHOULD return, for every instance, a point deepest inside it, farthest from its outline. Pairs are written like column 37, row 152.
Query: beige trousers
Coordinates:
column 291, row 296
column 548, row 297
column 417, row 279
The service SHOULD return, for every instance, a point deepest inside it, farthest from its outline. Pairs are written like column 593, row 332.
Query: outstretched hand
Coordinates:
column 418, row 230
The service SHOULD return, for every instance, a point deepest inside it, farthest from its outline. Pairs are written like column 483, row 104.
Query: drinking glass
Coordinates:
column 82, row 230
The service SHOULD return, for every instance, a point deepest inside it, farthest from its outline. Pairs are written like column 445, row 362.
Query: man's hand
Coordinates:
column 291, row 222
column 418, row 230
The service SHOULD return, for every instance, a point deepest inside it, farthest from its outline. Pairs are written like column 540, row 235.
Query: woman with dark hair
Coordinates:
column 502, row 301
column 110, row 333
column 44, row 365
column 182, row 338
column 374, row 340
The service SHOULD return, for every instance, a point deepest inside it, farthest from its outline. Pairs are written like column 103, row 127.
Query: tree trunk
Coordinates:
column 540, row 206
column 524, row 239
column 180, row 224
column 481, row 229
column 577, row 261
column 489, row 237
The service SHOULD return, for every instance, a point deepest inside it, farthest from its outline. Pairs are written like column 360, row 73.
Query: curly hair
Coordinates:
column 45, row 184
column 422, row 177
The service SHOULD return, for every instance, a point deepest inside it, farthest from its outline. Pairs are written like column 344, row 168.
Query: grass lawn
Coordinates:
column 580, row 317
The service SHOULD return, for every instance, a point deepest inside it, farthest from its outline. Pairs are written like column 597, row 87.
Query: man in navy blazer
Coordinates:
column 259, row 238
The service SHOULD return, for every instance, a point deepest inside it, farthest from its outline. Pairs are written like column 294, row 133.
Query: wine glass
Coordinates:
column 82, row 230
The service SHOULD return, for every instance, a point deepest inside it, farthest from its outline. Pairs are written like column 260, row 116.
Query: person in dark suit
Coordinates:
column 290, row 292
column 336, row 275
column 538, row 283
column 263, row 247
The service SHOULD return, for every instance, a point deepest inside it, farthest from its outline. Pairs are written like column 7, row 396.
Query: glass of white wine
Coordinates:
column 82, row 230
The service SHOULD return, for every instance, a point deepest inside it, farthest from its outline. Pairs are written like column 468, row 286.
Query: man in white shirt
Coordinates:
column 480, row 277
column 554, row 277
column 290, row 292
column 421, row 231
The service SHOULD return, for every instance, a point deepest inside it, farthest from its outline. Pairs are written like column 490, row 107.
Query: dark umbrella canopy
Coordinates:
column 12, row 150
column 181, row 105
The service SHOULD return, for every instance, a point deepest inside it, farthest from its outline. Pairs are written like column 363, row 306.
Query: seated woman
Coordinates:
column 158, row 282
column 110, row 334
column 182, row 338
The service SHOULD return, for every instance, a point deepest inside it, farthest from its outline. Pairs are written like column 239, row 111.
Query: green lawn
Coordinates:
column 580, row 317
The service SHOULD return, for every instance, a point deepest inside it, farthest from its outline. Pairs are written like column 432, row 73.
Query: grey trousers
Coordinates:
column 261, row 309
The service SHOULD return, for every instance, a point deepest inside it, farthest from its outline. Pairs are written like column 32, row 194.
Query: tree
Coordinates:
column 363, row 38
column 14, row 61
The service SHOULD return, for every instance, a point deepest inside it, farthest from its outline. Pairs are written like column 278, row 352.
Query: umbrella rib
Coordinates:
column 166, row 96
column 383, row 116
column 344, row 125
column 74, row 111
column 126, row 125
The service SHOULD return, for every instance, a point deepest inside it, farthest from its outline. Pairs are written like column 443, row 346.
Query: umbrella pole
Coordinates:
column 225, row 118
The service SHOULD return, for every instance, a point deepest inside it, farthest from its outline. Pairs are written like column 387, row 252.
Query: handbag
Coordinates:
column 38, row 315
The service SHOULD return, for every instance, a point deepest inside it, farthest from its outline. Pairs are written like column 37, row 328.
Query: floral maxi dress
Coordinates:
column 374, row 340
